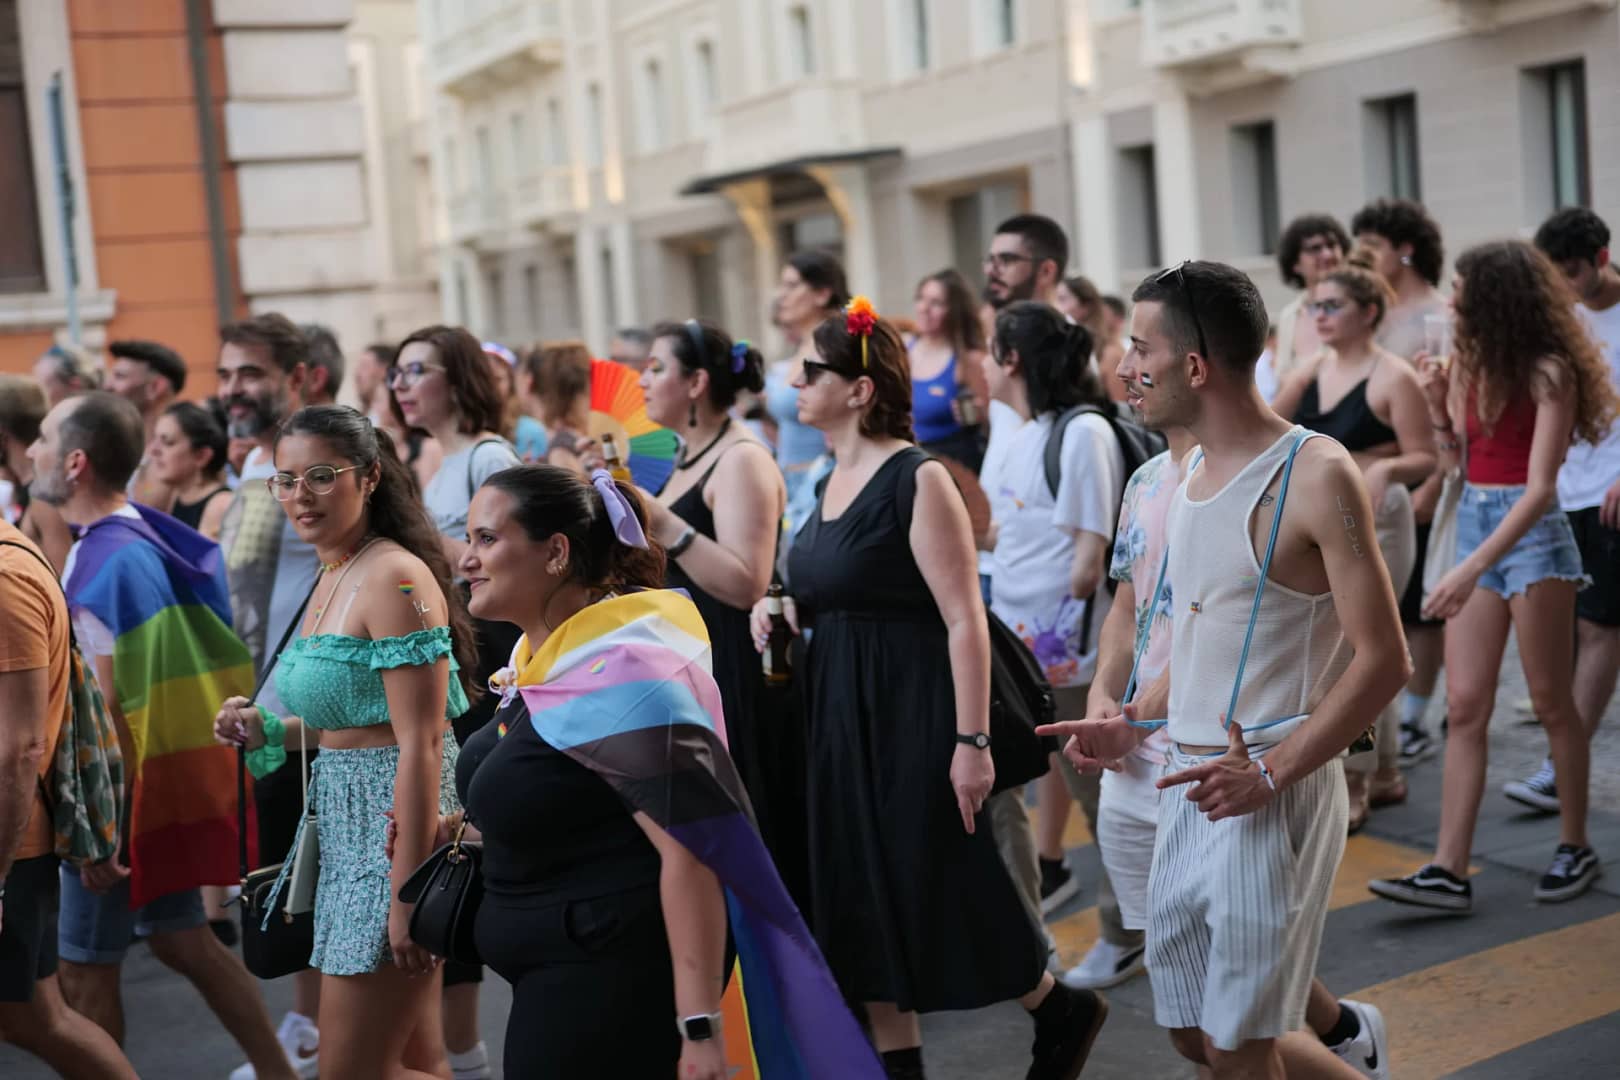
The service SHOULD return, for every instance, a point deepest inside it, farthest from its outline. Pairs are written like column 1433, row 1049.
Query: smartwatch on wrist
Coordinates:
column 682, row 542
column 699, row 1028
column 978, row 740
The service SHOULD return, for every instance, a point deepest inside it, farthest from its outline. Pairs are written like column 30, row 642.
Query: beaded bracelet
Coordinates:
column 273, row 754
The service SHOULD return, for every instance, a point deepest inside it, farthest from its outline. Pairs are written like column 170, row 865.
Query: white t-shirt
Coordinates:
column 1003, row 420
column 1029, row 581
column 1590, row 470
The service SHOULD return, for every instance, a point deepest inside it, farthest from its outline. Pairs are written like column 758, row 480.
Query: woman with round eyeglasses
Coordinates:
column 442, row 383
column 382, row 660
column 1368, row 399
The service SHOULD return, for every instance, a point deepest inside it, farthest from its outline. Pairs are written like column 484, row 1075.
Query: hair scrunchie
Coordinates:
column 619, row 511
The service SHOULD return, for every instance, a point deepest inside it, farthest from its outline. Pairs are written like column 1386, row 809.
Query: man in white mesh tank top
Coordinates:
column 1252, row 824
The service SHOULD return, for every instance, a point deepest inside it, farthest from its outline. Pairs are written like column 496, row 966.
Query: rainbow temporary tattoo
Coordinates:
column 500, row 730
column 598, row 667
column 406, row 586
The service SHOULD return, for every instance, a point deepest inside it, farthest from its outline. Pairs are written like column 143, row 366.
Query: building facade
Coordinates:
column 610, row 162
column 224, row 157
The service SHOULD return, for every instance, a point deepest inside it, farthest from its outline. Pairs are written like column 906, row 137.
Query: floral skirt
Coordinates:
column 353, row 793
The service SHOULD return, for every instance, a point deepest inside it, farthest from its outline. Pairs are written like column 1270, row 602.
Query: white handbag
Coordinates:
column 1441, row 555
column 306, row 859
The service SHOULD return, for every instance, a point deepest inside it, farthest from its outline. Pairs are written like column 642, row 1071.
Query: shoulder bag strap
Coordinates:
column 271, row 659
column 1265, row 571
column 473, row 453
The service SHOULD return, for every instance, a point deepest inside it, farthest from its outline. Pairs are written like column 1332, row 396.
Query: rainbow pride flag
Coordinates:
column 624, row 688
column 159, row 588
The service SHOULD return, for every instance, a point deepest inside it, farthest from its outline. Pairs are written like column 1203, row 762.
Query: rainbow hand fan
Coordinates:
column 618, row 408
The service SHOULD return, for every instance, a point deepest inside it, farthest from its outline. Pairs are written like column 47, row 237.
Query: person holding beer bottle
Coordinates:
column 722, row 551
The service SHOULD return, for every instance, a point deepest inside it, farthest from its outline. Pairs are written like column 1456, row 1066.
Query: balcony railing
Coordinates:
column 495, row 43
column 544, row 194
column 475, row 215
column 1177, row 33
column 806, row 118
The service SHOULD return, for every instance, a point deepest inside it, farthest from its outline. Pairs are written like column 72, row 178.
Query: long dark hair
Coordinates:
column 961, row 310
column 822, row 270
column 396, row 510
column 550, row 501
column 1055, row 356
column 203, row 431
column 473, row 394
column 1512, row 313
column 715, row 358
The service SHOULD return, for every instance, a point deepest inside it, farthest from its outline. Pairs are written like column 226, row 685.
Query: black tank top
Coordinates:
column 1352, row 421
column 192, row 512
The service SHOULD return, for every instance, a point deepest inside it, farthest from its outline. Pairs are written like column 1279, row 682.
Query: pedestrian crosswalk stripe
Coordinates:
column 1450, row 1016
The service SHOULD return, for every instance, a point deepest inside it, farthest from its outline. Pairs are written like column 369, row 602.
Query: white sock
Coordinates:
column 1413, row 708
column 470, row 1064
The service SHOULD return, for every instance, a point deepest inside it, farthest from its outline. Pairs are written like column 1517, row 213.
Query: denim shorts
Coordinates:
column 1547, row 551
column 97, row 928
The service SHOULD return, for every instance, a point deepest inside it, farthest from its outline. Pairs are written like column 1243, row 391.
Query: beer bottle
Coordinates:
column 610, row 457
column 777, row 662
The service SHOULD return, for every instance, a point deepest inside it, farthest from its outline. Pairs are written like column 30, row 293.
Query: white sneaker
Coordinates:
column 1106, row 965
column 1368, row 1052
column 301, row 1040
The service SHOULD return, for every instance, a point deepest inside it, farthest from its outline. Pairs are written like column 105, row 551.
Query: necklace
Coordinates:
column 328, row 567
column 688, row 462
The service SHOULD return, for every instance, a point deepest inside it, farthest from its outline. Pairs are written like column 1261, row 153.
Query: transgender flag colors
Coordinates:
column 159, row 588
column 624, row 688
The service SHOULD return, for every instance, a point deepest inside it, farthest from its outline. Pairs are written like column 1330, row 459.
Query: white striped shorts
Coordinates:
column 1236, row 907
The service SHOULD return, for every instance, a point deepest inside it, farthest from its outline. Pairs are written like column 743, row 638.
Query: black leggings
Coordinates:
column 592, row 990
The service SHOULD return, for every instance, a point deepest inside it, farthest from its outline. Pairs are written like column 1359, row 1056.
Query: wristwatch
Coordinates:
column 699, row 1028
column 978, row 740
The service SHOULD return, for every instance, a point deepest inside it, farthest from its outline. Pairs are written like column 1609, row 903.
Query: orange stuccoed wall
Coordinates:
column 143, row 163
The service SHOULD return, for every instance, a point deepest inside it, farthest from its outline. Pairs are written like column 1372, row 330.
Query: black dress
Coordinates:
column 908, row 908
column 571, row 914
column 764, row 725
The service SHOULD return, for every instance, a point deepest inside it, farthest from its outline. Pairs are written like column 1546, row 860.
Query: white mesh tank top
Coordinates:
column 1298, row 650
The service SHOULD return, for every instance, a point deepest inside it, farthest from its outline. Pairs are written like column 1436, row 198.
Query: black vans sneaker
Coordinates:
column 1430, row 887
column 1572, row 872
column 1538, row 791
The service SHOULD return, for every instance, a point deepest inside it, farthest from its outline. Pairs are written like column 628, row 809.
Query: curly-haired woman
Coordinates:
column 1525, row 378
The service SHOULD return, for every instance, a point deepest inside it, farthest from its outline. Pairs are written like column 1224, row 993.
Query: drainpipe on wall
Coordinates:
column 208, row 141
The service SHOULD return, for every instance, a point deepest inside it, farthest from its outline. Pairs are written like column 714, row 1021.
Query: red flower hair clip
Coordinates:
column 860, row 319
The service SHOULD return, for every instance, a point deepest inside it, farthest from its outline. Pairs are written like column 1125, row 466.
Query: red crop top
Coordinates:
column 1503, row 456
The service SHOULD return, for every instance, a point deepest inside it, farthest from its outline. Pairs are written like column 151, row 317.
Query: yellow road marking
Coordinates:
column 1452, row 1015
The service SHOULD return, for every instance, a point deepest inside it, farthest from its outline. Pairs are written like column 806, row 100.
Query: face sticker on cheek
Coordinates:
column 1145, row 379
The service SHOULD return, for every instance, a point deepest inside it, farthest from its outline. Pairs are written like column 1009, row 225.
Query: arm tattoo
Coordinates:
column 1349, row 521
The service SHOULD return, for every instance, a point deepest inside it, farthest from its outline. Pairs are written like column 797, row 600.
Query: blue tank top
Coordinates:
column 796, row 443
column 931, row 416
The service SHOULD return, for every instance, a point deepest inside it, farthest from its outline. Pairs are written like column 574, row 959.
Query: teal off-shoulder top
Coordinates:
column 334, row 681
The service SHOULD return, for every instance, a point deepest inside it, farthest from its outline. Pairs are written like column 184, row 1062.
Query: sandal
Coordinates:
column 1386, row 790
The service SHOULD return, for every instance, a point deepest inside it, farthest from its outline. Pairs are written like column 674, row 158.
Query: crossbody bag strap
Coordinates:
column 271, row 659
column 1265, row 572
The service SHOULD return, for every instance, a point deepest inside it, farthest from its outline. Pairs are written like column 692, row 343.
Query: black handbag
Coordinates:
column 282, row 945
column 447, row 890
column 1020, row 700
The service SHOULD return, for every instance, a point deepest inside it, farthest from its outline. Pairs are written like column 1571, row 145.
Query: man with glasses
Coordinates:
column 1026, row 260
column 1252, row 814
column 149, row 606
column 1312, row 247
column 263, row 365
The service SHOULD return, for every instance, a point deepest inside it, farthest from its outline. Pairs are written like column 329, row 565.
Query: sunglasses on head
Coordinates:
column 1192, row 305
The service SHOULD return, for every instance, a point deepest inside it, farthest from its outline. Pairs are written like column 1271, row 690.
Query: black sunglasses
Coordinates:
column 813, row 370
column 1192, row 305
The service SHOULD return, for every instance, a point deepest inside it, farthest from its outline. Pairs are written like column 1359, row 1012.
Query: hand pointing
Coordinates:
column 1228, row 786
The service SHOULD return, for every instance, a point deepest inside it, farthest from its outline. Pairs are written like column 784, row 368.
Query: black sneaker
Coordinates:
column 1061, row 1047
column 1431, row 887
column 1572, row 872
column 1538, row 791
column 1416, row 744
column 1058, row 886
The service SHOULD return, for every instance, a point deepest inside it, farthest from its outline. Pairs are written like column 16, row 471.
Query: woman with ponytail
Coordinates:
column 1050, row 547
column 612, row 816
column 379, row 664
column 909, row 896
column 721, row 551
